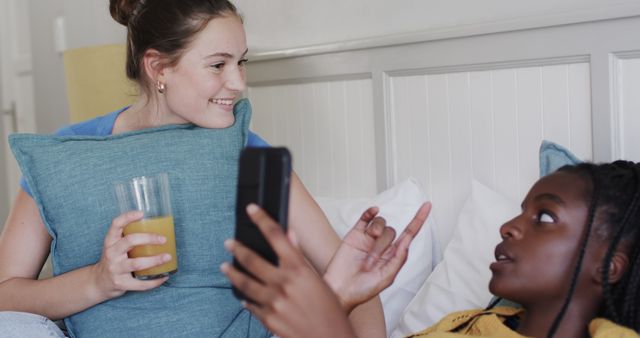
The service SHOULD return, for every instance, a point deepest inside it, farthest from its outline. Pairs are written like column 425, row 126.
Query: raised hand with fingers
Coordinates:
column 113, row 273
column 368, row 260
column 290, row 299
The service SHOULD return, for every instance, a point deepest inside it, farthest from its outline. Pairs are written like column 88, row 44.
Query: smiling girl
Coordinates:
column 570, row 259
column 188, row 58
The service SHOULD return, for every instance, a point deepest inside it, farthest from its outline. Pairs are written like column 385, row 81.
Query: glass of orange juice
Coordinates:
column 150, row 194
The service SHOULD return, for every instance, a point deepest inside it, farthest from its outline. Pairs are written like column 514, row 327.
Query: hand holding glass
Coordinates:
column 150, row 194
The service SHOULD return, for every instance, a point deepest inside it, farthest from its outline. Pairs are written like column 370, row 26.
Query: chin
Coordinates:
column 492, row 288
column 220, row 122
column 503, row 291
column 496, row 288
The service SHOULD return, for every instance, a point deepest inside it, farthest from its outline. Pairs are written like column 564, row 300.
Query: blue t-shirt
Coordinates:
column 103, row 126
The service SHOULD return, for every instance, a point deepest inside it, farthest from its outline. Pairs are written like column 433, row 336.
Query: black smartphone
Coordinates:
column 264, row 177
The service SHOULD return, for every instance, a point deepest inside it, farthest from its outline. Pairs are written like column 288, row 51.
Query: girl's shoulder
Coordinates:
column 98, row 126
column 485, row 322
column 604, row 328
column 254, row 140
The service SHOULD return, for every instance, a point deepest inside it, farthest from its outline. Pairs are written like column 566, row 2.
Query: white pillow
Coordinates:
column 460, row 281
column 397, row 205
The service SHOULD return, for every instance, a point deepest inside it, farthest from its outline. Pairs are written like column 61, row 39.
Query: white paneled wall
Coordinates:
column 329, row 128
column 628, row 100
column 452, row 110
column 445, row 129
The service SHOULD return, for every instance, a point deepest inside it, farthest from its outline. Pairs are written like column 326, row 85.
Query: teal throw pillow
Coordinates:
column 71, row 179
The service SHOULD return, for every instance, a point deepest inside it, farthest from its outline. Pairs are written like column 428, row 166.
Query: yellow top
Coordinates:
column 489, row 324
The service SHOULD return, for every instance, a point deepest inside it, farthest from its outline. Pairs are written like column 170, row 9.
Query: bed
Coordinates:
column 457, row 120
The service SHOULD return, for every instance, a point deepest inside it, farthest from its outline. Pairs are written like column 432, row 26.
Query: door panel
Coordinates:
column 16, row 89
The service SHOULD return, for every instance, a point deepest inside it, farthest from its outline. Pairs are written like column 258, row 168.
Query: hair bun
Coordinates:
column 123, row 10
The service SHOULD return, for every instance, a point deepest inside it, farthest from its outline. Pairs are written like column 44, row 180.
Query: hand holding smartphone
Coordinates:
column 263, row 178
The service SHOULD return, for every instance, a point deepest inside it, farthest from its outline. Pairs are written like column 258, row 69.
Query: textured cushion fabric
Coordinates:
column 103, row 126
column 554, row 156
column 398, row 205
column 71, row 179
column 460, row 280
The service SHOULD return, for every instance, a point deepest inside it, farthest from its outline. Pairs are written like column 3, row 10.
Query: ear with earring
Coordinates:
column 160, row 87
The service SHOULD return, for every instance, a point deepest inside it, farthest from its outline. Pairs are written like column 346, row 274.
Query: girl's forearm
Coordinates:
column 367, row 319
column 54, row 298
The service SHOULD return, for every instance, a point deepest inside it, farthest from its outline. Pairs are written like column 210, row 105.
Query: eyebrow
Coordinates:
column 227, row 55
column 551, row 197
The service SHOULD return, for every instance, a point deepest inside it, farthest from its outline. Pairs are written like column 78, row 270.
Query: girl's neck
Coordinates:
column 537, row 320
column 144, row 113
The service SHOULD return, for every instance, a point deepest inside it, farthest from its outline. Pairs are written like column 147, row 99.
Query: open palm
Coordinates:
column 369, row 259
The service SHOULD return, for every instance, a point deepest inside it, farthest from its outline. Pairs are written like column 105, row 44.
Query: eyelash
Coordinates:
column 218, row 66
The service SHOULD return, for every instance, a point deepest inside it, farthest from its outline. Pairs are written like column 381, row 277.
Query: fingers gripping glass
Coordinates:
column 149, row 194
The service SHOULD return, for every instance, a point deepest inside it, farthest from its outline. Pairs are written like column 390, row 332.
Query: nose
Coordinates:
column 236, row 79
column 511, row 229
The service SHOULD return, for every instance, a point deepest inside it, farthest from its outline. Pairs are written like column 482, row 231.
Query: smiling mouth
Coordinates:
column 226, row 102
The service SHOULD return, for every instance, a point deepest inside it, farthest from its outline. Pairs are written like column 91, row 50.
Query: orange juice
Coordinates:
column 162, row 226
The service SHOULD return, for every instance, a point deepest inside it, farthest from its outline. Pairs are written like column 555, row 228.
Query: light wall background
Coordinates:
column 301, row 27
column 290, row 25
column 285, row 24
column 4, row 200
column 445, row 111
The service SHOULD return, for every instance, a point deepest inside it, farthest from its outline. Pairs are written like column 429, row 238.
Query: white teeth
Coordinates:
column 226, row 102
column 502, row 257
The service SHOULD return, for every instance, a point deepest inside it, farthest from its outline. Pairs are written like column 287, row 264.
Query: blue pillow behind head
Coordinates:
column 71, row 179
column 554, row 156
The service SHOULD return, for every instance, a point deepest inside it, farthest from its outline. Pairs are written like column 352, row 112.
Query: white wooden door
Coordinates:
column 16, row 89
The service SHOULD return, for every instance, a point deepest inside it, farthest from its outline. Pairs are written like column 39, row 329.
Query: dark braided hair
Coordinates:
column 614, row 197
column 621, row 303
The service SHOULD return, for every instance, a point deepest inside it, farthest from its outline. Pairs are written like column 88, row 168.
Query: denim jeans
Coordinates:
column 22, row 324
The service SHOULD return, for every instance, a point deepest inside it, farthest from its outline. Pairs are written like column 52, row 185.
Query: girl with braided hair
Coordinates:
column 570, row 258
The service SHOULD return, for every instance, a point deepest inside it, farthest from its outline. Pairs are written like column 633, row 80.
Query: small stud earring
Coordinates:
column 160, row 87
